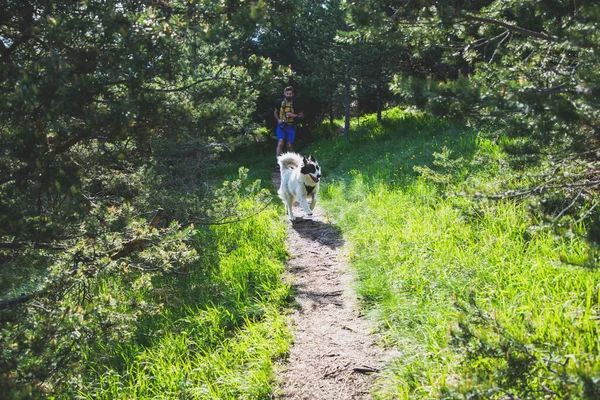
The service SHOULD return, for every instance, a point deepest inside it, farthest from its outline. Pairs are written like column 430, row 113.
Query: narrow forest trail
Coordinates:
column 334, row 354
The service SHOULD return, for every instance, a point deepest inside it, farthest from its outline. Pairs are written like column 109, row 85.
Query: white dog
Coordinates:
column 299, row 179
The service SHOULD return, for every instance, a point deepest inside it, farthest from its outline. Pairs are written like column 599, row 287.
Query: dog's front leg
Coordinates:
column 313, row 203
column 304, row 204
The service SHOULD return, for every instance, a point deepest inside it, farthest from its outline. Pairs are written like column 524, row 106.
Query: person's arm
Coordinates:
column 276, row 115
column 300, row 113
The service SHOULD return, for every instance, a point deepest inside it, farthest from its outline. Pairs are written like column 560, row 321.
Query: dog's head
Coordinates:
column 311, row 167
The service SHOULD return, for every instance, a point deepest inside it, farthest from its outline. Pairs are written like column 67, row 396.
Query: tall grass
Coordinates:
column 471, row 293
column 220, row 330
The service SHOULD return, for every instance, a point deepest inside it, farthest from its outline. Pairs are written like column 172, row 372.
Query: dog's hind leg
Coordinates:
column 288, row 201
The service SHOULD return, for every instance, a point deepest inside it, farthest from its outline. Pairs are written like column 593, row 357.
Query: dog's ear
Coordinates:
column 312, row 158
column 304, row 161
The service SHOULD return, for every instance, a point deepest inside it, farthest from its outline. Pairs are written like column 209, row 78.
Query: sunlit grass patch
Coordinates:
column 471, row 292
column 186, row 363
column 221, row 329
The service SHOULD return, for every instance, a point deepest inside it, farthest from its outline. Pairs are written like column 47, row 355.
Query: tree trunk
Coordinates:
column 331, row 117
column 347, row 101
column 379, row 99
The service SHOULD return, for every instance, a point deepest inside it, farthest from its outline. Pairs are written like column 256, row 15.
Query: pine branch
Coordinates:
column 127, row 249
column 31, row 245
column 15, row 301
column 225, row 221
column 136, row 243
column 541, row 189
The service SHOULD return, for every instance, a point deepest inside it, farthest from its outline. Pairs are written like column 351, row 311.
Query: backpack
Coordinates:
column 290, row 108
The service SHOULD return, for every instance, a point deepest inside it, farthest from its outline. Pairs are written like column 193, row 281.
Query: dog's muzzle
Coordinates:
column 315, row 179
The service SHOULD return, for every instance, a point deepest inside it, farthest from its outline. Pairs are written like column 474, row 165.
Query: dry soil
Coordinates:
column 335, row 353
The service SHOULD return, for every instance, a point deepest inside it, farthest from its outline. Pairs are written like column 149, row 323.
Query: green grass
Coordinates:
column 221, row 328
column 472, row 293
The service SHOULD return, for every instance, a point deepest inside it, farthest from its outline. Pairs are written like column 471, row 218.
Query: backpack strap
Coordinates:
column 282, row 109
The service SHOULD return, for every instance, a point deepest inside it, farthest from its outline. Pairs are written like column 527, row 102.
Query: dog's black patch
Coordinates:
column 308, row 169
column 309, row 189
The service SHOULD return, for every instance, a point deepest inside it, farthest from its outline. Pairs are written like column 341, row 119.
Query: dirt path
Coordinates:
column 334, row 354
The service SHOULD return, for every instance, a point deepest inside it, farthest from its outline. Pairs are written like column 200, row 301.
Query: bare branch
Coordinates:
column 570, row 205
column 393, row 17
column 588, row 212
column 507, row 35
column 513, row 28
column 485, row 41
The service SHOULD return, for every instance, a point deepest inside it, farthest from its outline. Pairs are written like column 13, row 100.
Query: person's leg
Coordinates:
column 290, row 136
column 280, row 139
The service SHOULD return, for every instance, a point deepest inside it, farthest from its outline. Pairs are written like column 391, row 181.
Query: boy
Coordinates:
column 287, row 114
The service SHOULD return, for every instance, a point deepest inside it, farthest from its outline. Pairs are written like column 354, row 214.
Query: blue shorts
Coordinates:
column 286, row 132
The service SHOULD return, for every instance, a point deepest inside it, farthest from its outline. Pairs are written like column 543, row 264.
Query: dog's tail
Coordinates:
column 290, row 161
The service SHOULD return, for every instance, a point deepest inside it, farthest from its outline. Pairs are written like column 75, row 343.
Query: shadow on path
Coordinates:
column 326, row 234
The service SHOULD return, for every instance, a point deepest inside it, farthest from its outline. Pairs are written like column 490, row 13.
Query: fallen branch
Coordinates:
column 570, row 205
column 365, row 369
